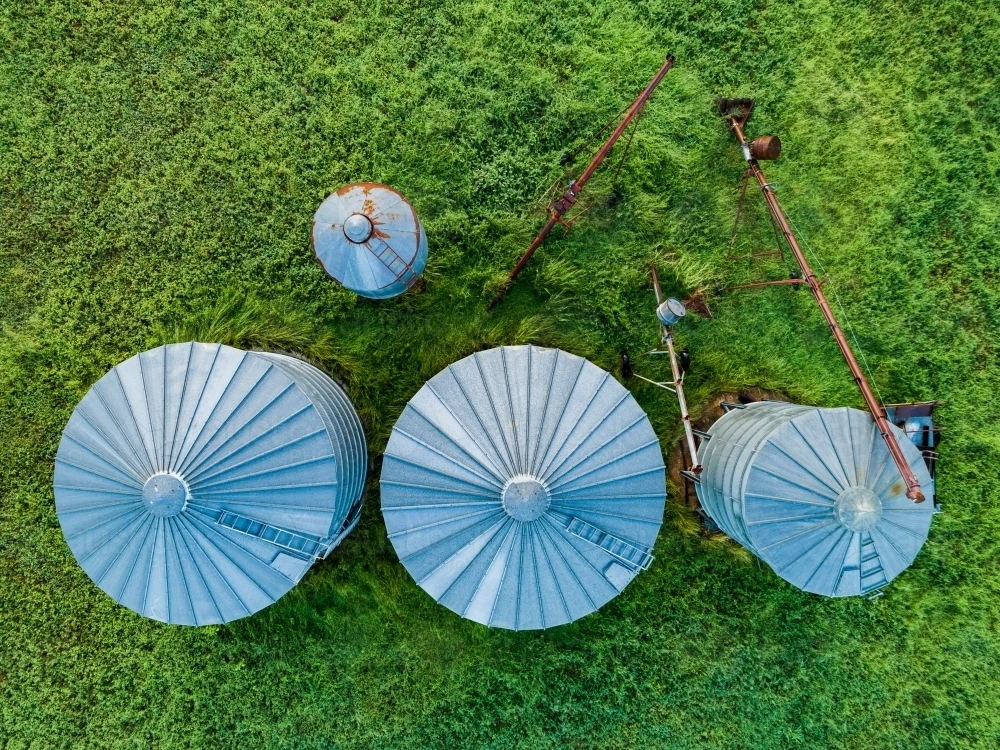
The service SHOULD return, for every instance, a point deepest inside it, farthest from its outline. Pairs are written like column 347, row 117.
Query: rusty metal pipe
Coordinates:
column 668, row 338
column 913, row 490
column 568, row 198
column 523, row 261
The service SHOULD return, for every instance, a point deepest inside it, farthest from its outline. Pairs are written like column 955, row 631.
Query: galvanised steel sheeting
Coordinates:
column 197, row 483
column 523, row 487
column 815, row 494
column 369, row 239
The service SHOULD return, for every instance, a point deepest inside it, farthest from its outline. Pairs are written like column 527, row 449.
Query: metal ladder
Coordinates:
column 632, row 555
column 872, row 573
column 396, row 265
column 308, row 547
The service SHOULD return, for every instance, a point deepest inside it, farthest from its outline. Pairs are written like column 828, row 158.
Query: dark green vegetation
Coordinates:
column 159, row 166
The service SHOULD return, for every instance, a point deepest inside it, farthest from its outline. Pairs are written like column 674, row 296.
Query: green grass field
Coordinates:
column 160, row 163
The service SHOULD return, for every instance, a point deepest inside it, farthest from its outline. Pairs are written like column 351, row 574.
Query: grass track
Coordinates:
column 159, row 166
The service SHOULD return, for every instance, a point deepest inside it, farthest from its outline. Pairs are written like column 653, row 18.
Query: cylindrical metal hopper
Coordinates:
column 367, row 237
column 523, row 487
column 197, row 483
column 815, row 494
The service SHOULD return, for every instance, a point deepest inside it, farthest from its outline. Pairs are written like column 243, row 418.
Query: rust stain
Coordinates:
column 365, row 187
column 897, row 489
column 369, row 208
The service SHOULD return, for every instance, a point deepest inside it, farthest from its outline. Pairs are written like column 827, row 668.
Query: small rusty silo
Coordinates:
column 814, row 493
column 368, row 237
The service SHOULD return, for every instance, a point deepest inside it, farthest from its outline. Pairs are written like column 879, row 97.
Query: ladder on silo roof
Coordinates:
column 309, row 547
column 872, row 573
column 631, row 554
column 398, row 267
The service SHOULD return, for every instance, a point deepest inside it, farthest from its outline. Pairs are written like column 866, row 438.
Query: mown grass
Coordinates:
column 159, row 166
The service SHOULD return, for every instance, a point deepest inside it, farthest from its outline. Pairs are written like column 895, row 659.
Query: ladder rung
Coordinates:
column 619, row 548
column 272, row 534
column 394, row 263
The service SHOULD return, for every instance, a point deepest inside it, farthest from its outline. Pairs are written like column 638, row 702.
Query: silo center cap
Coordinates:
column 525, row 498
column 858, row 508
column 358, row 228
column 164, row 495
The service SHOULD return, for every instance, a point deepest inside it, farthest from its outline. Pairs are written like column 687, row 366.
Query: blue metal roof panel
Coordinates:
column 368, row 237
column 196, row 483
column 814, row 493
column 523, row 487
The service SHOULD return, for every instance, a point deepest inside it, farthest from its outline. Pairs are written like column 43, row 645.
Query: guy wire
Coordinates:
column 843, row 312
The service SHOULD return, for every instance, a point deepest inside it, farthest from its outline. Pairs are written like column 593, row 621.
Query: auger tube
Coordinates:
column 568, row 198
column 913, row 491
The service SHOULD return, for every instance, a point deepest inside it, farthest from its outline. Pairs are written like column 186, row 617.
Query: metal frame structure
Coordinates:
column 567, row 200
column 917, row 421
column 676, row 386
column 761, row 149
column 667, row 337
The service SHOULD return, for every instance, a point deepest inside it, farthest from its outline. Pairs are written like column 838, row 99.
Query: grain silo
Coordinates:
column 368, row 237
column 815, row 494
column 523, row 487
column 197, row 483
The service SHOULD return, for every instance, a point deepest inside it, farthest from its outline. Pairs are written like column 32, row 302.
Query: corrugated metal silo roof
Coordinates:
column 523, row 487
column 814, row 493
column 196, row 483
column 367, row 237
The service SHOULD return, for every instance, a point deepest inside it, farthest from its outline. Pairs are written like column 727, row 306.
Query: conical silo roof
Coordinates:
column 523, row 487
column 815, row 494
column 196, row 483
column 367, row 237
